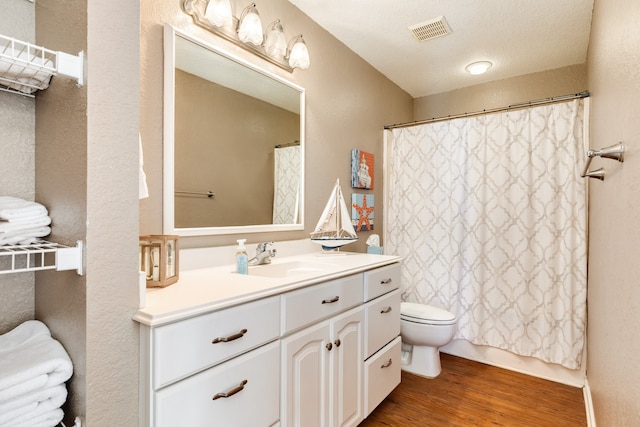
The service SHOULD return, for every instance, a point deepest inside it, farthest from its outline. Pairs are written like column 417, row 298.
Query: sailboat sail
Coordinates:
column 334, row 229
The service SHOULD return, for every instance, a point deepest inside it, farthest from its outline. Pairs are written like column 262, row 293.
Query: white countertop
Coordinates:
column 204, row 290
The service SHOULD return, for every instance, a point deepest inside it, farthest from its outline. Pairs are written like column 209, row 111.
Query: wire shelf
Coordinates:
column 26, row 68
column 40, row 255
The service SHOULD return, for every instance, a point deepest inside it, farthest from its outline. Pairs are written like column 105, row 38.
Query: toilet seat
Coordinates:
column 426, row 314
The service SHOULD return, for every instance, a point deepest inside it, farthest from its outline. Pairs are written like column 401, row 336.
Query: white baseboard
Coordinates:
column 588, row 404
column 526, row 365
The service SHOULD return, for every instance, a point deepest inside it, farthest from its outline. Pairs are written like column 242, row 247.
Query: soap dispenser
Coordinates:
column 242, row 259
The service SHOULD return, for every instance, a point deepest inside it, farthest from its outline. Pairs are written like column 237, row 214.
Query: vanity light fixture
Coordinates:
column 247, row 32
column 479, row 67
column 218, row 12
column 250, row 28
column 298, row 55
column 275, row 45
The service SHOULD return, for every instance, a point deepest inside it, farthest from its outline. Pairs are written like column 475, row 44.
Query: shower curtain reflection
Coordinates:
column 489, row 215
column 286, row 194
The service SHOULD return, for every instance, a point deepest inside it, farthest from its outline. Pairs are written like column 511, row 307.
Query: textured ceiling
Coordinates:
column 517, row 36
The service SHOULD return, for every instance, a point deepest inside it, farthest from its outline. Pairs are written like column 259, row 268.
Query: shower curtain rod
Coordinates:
column 584, row 94
column 289, row 144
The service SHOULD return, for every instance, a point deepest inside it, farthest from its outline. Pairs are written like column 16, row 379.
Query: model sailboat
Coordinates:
column 334, row 229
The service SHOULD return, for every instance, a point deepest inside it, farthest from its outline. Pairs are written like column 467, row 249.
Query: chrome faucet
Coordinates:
column 263, row 254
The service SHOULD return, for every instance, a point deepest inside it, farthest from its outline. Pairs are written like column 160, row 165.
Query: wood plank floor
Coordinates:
column 469, row 393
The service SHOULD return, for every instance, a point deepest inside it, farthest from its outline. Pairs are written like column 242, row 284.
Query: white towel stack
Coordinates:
column 33, row 371
column 21, row 221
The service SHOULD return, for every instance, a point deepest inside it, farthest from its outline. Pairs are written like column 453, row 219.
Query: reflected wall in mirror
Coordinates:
column 234, row 143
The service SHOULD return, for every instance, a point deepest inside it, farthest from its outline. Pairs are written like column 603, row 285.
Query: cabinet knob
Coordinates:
column 329, row 346
column 329, row 301
column 230, row 337
column 231, row 392
column 337, row 342
column 386, row 310
column 387, row 364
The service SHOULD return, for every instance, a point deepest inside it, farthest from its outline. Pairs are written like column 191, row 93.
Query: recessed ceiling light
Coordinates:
column 479, row 67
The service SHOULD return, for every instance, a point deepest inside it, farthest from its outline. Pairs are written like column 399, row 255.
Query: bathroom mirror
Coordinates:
column 233, row 143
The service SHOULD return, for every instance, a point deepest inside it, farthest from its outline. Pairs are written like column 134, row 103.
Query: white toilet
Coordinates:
column 423, row 329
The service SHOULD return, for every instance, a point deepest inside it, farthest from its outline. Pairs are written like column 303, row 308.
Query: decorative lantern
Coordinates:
column 159, row 259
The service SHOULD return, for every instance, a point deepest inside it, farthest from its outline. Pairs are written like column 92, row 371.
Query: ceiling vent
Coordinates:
column 430, row 29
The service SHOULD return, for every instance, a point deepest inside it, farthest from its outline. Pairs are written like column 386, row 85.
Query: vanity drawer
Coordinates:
column 382, row 320
column 308, row 305
column 381, row 375
column 183, row 348
column 251, row 383
column 381, row 280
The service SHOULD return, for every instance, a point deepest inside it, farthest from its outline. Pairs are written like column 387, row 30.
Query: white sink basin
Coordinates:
column 285, row 269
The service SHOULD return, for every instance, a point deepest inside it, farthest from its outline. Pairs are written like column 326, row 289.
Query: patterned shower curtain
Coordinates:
column 286, row 177
column 489, row 214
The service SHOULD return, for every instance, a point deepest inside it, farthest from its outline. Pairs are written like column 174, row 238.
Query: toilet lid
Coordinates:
column 423, row 313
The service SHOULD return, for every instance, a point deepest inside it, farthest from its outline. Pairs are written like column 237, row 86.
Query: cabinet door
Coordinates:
column 347, row 333
column 305, row 377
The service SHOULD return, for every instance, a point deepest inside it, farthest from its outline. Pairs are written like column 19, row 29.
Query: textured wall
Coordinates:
column 86, row 171
column 545, row 84
column 17, row 142
column 614, row 215
column 348, row 103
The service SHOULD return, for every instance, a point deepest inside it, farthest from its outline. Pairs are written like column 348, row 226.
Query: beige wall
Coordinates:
column 614, row 216
column 17, row 139
column 499, row 94
column 347, row 105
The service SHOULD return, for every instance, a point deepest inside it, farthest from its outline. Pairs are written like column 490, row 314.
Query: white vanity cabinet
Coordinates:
column 313, row 351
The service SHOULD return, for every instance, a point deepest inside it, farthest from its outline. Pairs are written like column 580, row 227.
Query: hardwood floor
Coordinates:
column 469, row 393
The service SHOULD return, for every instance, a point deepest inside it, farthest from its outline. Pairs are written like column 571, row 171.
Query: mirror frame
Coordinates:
column 168, row 218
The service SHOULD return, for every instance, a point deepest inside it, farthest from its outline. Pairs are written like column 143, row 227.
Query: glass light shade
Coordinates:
column 299, row 55
column 250, row 29
column 276, row 44
column 218, row 12
column 479, row 67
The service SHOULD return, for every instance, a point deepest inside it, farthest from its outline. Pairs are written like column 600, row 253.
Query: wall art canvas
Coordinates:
column 362, row 169
column 362, row 211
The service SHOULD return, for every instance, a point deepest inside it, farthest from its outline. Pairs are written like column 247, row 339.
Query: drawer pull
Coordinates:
column 230, row 337
column 386, row 310
column 387, row 364
column 337, row 343
column 329, row 301
column 386, row 282
column 232, row 391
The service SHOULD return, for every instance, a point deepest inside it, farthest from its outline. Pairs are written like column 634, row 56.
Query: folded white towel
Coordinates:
column 23, row 334
column 23, row 237
column 31, row 360
column 49, row 419
column 32, row 404
column 24, row 224
column 15, row 208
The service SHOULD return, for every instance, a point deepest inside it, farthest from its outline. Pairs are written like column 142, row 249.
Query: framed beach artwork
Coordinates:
column 362, row 169
column 362, row 212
